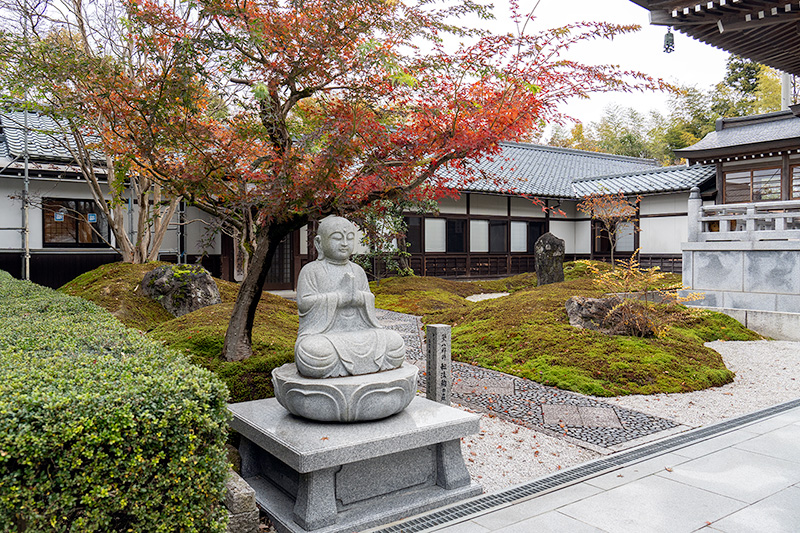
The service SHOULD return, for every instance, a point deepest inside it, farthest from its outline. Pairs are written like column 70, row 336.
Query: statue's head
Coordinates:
column 335, row 240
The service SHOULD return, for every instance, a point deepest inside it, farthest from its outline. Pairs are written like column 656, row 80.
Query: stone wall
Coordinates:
column 755, row 275
column 755, row 282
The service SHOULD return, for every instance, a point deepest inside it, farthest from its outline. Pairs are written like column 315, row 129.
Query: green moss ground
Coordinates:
column 202, row 333
column 115, row 287
column 526, row 334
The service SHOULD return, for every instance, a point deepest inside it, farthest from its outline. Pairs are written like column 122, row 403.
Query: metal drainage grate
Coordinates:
column 489, row 501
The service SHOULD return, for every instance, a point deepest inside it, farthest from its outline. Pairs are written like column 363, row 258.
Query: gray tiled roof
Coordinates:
column 665, row 179
column 536, row 170
column 743, row 131
column 547, row 170
column 45, row 137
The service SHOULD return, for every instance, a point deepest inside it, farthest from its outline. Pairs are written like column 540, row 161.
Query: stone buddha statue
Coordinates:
column 339, row 334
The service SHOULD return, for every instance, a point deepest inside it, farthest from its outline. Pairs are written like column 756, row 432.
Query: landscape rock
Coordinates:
column 181, row 289
column 591, row 313
column 549, row 253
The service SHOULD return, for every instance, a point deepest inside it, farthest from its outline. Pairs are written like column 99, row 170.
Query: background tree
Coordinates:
column 622, row 131
column 748, row 88
column 742, row 74
column 68, row 60
column 575, row 138
column 610, row 211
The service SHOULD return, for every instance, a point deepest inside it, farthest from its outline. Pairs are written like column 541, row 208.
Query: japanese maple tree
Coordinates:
column 344, row 104
column 77, row 63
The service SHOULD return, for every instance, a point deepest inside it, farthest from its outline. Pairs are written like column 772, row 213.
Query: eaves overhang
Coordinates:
column 741, row 151
column 761, row 30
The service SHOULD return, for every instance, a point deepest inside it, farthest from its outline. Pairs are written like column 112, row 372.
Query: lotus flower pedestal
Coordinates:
column 348, row 398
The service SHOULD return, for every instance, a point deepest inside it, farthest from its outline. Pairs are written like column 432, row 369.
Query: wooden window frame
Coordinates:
column 83, row 207
column 781, row 195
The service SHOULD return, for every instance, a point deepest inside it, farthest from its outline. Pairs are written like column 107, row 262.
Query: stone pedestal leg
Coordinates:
column 249, row 454
column 451, row 472
column 315, row 506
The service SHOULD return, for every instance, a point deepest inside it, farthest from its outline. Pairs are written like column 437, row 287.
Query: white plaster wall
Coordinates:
column 360, row 247
column 569, row 207
column 10, row 214
column 663, row 235
column 522, row 207
column 583, row 236
column 484, row 204
column 198, row 239
column 170, row 244
column 304, row 240
column 664, row 203
column 453, row 206
column 564, row 229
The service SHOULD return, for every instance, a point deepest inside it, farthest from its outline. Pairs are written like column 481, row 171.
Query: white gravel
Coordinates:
column 486, row 296
column 505, row 454
column 767, row 373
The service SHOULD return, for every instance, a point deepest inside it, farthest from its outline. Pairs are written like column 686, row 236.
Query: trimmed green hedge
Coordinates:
column 102, row 429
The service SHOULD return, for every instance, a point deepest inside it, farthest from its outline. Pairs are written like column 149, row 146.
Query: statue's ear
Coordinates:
column 318, row 246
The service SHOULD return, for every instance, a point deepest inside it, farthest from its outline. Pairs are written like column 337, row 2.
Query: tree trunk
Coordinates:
column 238, row 337
column 402, row 256
column 612, row 243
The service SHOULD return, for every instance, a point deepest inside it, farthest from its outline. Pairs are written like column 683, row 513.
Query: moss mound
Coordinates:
column 199, row 334
column 510, row 284
column 528, row 334
column 202, row 332
column 115, row 288
column 402, row 285
column 420, row 295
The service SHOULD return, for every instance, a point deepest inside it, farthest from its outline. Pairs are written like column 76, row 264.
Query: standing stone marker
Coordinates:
column 438, row 366
column 549, row 253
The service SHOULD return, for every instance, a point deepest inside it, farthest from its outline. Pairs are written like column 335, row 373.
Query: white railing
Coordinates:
column 762, row 221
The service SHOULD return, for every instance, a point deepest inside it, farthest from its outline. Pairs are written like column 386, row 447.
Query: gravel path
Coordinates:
column 767, row 373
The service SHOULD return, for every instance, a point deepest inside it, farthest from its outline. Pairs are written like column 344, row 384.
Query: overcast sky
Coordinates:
column 692, row 62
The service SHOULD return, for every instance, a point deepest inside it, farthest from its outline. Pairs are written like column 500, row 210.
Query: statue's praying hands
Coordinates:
column 339, row 334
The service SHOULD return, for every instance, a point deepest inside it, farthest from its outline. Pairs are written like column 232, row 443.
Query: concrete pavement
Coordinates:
column 740, row 475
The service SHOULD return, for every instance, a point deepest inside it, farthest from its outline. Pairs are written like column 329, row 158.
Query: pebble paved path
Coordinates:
column 530, row 404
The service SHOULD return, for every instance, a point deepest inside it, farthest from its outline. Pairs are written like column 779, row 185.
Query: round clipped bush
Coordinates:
column 101, row 429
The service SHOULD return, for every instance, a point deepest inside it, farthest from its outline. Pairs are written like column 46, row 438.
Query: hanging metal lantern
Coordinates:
column 669, row 41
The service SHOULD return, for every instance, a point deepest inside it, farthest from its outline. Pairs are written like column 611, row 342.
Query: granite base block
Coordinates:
column 240, row 500
column 333, row 478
